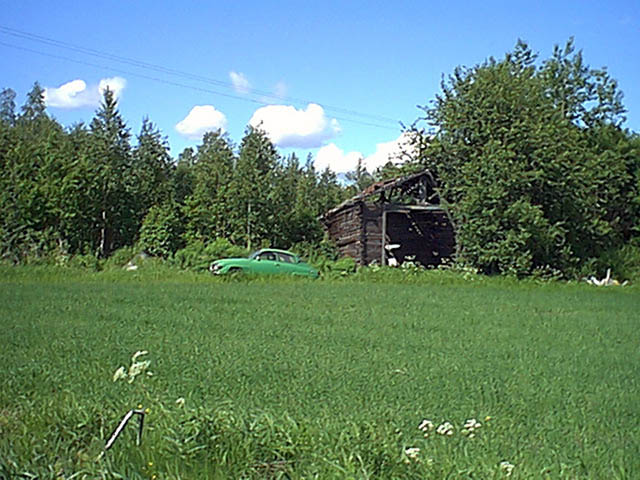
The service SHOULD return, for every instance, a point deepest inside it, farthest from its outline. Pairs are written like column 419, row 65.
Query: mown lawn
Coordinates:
column 324, row 379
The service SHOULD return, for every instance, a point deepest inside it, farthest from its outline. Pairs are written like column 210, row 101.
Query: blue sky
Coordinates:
column 333, row 79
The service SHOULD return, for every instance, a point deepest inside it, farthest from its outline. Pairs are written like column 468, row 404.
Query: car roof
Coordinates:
column 276, row 250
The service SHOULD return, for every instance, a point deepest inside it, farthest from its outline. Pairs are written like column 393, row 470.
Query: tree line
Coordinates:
column 87, row 190
column 531, row 161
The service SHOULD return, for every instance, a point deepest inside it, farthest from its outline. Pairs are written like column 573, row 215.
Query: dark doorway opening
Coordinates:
column 415, row 234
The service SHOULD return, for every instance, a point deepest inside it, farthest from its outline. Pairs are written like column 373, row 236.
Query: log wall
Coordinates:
column 426, row 236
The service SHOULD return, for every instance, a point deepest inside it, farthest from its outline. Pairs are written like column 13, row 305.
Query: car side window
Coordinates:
column 283, row 257
column 268, row 256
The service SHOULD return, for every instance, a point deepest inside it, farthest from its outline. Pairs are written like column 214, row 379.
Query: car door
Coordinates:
column 267, row 263
column 289, row 264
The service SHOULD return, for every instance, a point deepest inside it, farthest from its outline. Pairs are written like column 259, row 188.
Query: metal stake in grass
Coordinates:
column 120, row 427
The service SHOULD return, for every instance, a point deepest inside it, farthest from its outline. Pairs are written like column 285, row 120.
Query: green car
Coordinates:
column 266, row 261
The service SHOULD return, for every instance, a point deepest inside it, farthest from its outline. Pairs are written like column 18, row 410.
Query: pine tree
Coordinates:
column 251, row 200
column 206, row 209
column 7, row 107
column 151, row 170
column 35, row 105
column 111, row 156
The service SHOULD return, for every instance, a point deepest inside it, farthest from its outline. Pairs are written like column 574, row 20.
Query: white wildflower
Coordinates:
column 412, row 454
column 445, row 429
column 470, row 426
column 139, row 353
column 471, row 423
column 180, row 402
column 137, row 368
column 120, row 373
column 507, row 468
column 426, row 425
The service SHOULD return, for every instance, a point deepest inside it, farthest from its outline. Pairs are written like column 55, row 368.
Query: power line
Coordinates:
column 177, row 84
column 182, row 74
column 127, row 72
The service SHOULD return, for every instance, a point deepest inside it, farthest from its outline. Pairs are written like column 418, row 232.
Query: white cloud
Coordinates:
column 337, row 160
column 287, row 126
column 201, row 119
column 115, row 84
column 240, row 82
column 394, row 151
column 76, row 93
column 69, row 95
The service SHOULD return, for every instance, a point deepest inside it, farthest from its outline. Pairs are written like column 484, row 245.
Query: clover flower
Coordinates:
column 507, row 468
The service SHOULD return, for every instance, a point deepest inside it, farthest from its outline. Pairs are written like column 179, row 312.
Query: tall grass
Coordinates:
column 301, row 379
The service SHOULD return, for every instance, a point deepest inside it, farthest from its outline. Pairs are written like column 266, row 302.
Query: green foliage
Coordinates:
column 88, row 261
column 198, row 255
column 360, row 178
column 160, row 234
column 66, row 192
column 151, row 170
column 317, row 253
column 531, row 164
column 252, row 212
column 183, row 176
column 206, row 209
column 34, row 108
column 623, row 261
column 110, row 154
column 341, row 267
column 7, row 107
column 121, row 257
column 255, row 197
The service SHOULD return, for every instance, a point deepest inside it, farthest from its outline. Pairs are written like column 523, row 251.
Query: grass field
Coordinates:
column 324, row 379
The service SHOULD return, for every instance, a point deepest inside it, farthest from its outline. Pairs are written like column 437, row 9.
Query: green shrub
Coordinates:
column 160, row 234
column 121, row 257
column 317, row 253
column 338, row 268
column 623, row 261
column 87, row 260
column 197, row 255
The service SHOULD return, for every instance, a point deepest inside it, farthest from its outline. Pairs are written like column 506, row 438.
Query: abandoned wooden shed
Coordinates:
column 393, row 221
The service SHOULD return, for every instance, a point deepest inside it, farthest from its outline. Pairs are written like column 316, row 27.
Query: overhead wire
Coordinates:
column 186, row 75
